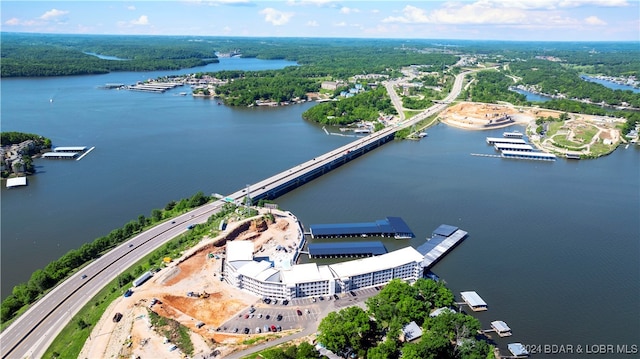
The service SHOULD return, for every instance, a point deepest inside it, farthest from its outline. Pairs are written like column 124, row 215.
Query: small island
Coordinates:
column 17, row 152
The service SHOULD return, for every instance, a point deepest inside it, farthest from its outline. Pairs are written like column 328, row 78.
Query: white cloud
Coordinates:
column 594, row 20
column 331, row 3
column 131, row 7
column 276, row 17
column 313, row 23
column 53, row 14
column 348, row 10
column 12, row 22
column 340, row 24
column 142, row 20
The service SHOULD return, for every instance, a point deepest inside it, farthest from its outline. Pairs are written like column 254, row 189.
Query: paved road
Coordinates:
column 32, row 333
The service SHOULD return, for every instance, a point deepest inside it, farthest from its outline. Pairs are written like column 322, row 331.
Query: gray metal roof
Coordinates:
column 445, row 230
column 387, row 226
column 347, row 248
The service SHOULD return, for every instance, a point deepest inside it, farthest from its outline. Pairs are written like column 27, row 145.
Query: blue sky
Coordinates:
column 549, row 20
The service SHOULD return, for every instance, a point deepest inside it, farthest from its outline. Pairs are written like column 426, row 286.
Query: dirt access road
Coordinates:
column 198, row 271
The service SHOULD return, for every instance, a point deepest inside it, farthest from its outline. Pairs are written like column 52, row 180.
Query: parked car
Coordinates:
column 279, row 317
column 285, row 302
column 117, row 317
column 299, row 312
column 335, row 296
column 246, row 330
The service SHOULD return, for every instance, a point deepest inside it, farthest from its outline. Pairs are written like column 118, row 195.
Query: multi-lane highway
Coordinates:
column 32, row 333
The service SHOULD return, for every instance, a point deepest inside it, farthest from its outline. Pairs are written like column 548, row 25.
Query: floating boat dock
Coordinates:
column 501, row 328
column 16, row 182
column 513, row 141
column 346, row 249
column 473, row 300
column 388, row 227
column 512, row 147
column 514, row 134
column 68, row 152
column 539, row 156
column 442, row 240
column 518, row 350
column 157, row 87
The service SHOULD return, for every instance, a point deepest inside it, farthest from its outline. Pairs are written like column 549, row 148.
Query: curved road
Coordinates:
column 32, row 333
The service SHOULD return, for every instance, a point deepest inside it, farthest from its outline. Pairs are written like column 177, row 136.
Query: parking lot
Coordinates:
column 309, row 311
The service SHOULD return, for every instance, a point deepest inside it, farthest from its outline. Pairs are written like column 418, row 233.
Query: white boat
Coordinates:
column 422, row 134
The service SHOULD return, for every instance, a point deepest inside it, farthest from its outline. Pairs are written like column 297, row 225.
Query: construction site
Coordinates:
column 176, row 313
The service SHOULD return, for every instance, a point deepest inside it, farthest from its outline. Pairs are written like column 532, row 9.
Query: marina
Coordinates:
column 388, row 227
column 156, row 87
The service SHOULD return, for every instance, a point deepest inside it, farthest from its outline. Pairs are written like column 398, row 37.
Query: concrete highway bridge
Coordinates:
column 30, row 335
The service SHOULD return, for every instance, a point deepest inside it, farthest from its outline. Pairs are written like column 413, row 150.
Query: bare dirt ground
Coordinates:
column 196, row 271
column 483, row 116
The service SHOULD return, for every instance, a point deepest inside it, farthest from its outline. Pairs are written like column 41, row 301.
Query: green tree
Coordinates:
column 156, row 215
column 350, row 327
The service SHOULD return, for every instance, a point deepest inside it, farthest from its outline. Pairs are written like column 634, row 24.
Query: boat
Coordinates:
column 183, row 94
column 422, row 134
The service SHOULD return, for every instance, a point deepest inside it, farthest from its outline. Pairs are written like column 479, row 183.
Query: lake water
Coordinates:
column 610, row 84
column 533, row 97
column 552, row 247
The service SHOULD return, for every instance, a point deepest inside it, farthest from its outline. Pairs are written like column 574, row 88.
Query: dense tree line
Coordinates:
column 44, row 279
column 303, row 350
column 449, row 335
column 366, row 106
column 553, row 78
column 62, row 55
column 245, row 88
column 11, row 137
column 493, row 86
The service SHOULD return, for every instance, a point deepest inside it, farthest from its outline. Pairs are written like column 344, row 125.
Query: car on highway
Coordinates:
column 130, row 245
column 84, row 276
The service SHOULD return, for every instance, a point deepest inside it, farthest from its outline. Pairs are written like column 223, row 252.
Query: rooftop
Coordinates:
column 473, row 299
column 387, row 226
column 347, row 248
column 372, row 264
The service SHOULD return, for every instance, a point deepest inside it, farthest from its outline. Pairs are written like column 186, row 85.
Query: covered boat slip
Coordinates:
column 473, row 300
column 16, row 182
column 512, row 147
column 501, row 328
column 388, row 227
column 494, row 140
column 539, row 156
column 346, row 249
column 443, row 239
